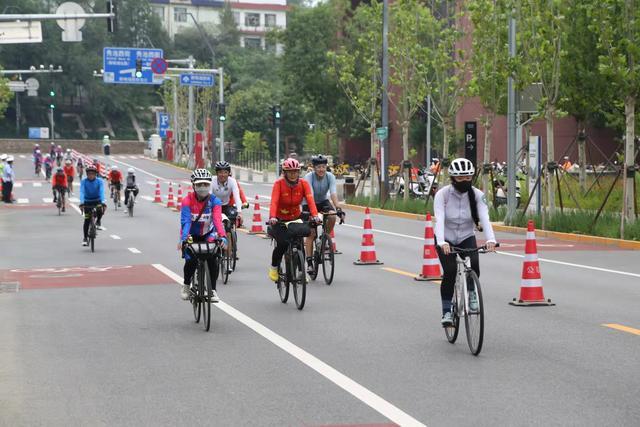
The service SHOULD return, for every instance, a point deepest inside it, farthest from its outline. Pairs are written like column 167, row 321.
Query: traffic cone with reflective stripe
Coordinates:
column 367, row 247
column 256, row 225
column 179, row 200
column 430, row 262
column 333, row 241
column 170, row 202
column 531, row 292
column 157, row 199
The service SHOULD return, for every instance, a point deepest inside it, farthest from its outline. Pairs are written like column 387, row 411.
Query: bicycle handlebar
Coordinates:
column 482, row 249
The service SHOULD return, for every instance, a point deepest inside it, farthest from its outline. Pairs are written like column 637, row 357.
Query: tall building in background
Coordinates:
column 255, row 18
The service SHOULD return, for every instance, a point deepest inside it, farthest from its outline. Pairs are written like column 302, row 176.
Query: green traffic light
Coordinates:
column 52, row 93
column 277, row 114
column 52, row 106
column 223, row 118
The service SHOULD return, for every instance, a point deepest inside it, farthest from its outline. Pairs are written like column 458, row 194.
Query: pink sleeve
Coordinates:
column 217, row 220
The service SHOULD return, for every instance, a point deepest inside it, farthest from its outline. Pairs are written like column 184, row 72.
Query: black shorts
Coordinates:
column 323, row 207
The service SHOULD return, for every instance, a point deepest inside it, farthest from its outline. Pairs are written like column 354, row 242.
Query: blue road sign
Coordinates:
column 119, row 64
column 196, row 79
column 163, row 124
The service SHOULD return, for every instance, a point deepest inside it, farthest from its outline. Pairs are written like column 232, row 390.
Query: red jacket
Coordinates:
column 58, row 180
column 286, row 200
column 115, row 176
column 69, row 170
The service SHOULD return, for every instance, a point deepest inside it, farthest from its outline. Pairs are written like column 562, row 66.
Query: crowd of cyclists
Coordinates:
column 213, row 208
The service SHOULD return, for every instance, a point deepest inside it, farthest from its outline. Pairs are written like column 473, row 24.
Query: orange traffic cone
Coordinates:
column 157, row 199
column 531, row 286
column 367, row 247
column 333, row 240
column 430, row 263
column 179, row 201
column 170, row 202
column 256, row 225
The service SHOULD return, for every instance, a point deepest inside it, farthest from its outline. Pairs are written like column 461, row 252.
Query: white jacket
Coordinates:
column 224, row 191
column 453, row 216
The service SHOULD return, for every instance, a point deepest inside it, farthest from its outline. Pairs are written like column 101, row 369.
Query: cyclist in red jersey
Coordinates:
column 286, row 198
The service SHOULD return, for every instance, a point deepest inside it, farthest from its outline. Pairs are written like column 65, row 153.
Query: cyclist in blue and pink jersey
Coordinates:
column 200, row 220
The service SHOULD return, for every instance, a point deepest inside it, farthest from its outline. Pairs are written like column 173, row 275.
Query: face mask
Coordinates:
column 462, row 186
column 202, row 192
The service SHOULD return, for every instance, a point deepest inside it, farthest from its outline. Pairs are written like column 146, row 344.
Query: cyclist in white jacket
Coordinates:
column 459, row 209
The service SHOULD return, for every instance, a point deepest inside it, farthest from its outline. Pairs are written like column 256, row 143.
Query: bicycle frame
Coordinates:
column 463, row 267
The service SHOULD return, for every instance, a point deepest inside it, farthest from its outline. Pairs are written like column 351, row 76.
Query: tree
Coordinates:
column 617, row 23
column 410, row 59
column 490, row 65
column 356, row 65
column 5, row 96
column 252, row 141
column 541, row 28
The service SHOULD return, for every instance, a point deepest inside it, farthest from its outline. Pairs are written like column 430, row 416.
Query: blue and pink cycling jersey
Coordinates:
column 210, row 222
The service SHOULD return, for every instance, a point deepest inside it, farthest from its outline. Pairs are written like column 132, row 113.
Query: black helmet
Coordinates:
column 319, row 160
column 223, row 166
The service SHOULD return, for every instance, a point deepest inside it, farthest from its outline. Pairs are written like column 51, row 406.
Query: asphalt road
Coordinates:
column 104, row 339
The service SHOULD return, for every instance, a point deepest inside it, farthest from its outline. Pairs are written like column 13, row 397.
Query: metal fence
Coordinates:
column 256, row 160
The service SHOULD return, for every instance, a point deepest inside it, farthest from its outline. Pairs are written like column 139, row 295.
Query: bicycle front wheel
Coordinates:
column 224, row 267
column 299, row 278
column 283, row 283
column 195, row 299
column 452, row 331
column 474, row 320
column 205, row 293
column 130, row 204
column 328, row 261
column 234, row 249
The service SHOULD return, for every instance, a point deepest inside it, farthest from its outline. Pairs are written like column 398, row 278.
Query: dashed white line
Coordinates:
column 47, row 199
column 23, row 201
column 37, row 184
column 363, row 394
column 22, row 156
column 114, row 237
column 17, row 185
column 134, row 250
column 148, row 198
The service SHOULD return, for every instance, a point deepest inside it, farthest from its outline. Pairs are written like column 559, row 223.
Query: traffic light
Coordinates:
column 222, row 112
column 52, row 94
column 276, row 115
column 139, row 68
column 111, row 22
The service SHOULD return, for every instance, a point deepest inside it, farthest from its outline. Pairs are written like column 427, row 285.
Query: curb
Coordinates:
column 571, row 237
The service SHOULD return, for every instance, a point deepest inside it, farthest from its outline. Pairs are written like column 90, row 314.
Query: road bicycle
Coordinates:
column 229, row 258
column 93, row 229
column 115, row 195
column 38, row 168
column 60, row 204
column 201, row 284
column 323, row 251
column 131, row 200
column 291, row 271
column 473, row 319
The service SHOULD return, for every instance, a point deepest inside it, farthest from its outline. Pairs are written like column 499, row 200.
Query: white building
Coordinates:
column 255, row 18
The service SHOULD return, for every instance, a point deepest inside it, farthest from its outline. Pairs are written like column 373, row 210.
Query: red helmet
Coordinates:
column 290, row 164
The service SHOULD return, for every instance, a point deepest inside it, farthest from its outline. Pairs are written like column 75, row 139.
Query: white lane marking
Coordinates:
column 375, row 230
column 17, row 185
column 37, row 184
column 74, row 199
column 42, row 173
column 47, row 199
column 570, row 264
column 246, row 184
column 76, row 208
column 133, row 157
column 151, row 182
column 134, row 250
column 23, row 201
column 366, row 396
column 114, row 237
column 141, row 170
column 22, row 156
column 149, row 198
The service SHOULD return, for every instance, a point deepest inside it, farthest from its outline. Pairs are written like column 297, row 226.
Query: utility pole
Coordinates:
column 384, row 146
column 221, row 95
column 191, row 119
column 428, row 153
column 511, row 125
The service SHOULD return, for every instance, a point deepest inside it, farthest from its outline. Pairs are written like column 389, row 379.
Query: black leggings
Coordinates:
column 190, row 266
column 87, row 217
column 283, row 236
column 450, row 268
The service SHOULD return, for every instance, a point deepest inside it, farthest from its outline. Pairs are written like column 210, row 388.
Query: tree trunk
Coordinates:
column 486, row 157
column 373, row 195
column 582, row 158
column 629, row 158
column 445, row 138
column 549, row 114
column 405, row 157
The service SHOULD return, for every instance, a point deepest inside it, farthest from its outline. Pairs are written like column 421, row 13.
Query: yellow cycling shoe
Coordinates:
column 273, row 274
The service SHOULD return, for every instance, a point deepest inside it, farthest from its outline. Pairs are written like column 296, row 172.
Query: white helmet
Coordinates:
column 201, row 175
column 9, row 158
column 131, row 171
column 461, row 167
column 114, row 167
column 3, row 157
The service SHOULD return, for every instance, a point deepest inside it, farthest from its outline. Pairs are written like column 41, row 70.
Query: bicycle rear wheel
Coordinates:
column 130, row 204
column 327, row 258
column 452, row 331
column 474, row 320
column 283, row 282
column 234, row 249
column 224, row 267
column 204, row 285
column 299, row 278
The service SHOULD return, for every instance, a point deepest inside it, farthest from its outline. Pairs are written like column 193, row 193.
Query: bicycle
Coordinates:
column 130, row 201
column 60, row 201
column 201, row 284
column 115, row 195
column 473, row 319
column 291, row 271
column 38, row 168
column 70, row 184
column 93, row 230
column 229, row 258
column 323, row 251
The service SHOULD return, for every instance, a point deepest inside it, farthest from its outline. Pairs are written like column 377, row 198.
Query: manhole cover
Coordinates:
column 9, row 287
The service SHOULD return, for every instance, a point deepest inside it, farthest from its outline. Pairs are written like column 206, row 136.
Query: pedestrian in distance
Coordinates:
column 8, row 176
